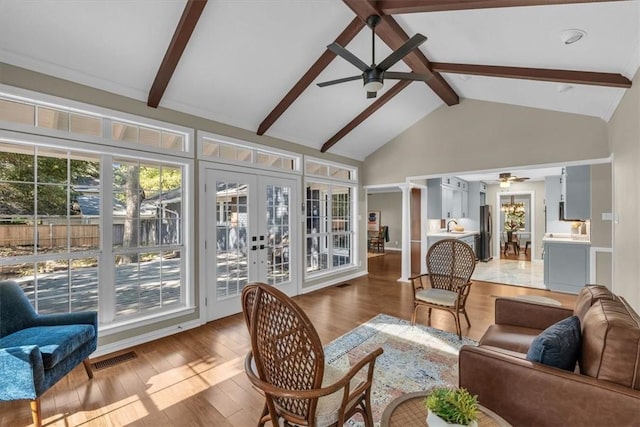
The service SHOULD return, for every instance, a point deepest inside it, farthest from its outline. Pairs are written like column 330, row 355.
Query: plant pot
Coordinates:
column 434, row 420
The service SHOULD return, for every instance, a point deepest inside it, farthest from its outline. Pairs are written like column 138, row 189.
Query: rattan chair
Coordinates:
column 287, row 364
column 450, row 264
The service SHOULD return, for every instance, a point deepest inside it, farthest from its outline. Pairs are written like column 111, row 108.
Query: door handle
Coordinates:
column 261, row 246
column 254, row 247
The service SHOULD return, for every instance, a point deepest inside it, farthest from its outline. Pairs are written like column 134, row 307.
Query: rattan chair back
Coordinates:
column 450, row 263
column 286, row 347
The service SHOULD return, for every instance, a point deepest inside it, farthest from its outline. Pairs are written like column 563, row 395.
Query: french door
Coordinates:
column 251, row 236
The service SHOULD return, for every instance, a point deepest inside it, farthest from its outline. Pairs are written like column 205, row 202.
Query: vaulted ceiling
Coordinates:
column 255, row 64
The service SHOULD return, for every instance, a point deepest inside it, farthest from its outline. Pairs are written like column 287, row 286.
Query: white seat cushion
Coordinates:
column 437, row 296
column 328, row 406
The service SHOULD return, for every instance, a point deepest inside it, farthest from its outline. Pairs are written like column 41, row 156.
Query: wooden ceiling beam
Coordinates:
column 394, row 36
column 392, row 7
column 375, row 106
column 354, row 27
column 190, row 16
column 543, row 74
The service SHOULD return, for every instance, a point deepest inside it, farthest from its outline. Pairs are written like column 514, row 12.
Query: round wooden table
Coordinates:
column 408, row 410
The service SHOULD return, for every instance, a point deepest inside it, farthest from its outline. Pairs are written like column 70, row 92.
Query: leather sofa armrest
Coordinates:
column 530, row 394
column 527, row 314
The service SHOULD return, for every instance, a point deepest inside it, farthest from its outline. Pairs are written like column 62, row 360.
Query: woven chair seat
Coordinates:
column 437, row 296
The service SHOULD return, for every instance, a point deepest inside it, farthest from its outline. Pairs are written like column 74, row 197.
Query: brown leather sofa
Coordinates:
column 604, row 390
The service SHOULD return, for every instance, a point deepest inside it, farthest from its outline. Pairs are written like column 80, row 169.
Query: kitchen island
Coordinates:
column 566, row 262
column 466, row 236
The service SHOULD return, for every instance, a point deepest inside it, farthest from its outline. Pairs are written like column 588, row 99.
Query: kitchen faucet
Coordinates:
column 449, row 223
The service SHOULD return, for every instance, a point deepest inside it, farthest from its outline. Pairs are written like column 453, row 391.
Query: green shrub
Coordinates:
column 454, row 405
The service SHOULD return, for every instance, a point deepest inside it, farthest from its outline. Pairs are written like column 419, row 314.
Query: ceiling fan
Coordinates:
column 506, row 178
column 373, row 75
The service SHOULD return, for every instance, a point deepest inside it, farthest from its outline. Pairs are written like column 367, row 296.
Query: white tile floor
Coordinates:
column 512, row 272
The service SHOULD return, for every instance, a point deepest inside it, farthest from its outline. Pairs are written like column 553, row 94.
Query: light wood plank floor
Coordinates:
column 196, row 378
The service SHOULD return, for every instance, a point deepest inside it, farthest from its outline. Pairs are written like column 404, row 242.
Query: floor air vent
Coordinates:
column 344, row 285
column 113, row 361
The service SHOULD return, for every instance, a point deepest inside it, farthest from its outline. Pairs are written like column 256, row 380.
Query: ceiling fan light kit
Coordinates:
column 373, row 75
column 572, row 36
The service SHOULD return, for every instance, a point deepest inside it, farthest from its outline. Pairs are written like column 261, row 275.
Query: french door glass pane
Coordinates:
column 277, row 207
column 232, row 223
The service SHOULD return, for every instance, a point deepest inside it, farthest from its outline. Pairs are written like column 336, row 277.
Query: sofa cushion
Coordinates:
column 55, row 342
column 558, row 345
column 611, row 343
column 589, row 295
column 508, row 337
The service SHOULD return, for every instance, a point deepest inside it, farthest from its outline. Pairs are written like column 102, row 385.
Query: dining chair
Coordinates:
column 287, row 364
column 447, row 283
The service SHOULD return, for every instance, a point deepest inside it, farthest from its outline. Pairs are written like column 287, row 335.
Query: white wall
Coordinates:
column 390, row 207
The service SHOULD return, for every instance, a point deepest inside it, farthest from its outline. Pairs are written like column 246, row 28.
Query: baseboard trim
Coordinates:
column 333, row 282
column 144, row 338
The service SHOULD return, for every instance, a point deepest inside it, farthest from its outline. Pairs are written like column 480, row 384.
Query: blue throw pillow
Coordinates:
column 558, row 345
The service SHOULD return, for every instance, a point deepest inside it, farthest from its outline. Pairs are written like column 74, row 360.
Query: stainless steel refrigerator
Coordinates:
column 485, row 233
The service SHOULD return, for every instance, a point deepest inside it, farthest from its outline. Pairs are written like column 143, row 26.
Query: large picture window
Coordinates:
column 54, row 207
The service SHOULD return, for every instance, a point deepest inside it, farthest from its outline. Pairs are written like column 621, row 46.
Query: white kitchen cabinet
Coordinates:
column 465, row 204
column 576, row 192
column 448, row 202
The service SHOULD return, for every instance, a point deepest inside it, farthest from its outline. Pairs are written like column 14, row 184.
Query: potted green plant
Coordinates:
column 448, row 407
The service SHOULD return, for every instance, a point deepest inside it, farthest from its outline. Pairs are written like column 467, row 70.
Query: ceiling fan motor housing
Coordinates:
column 372, row 79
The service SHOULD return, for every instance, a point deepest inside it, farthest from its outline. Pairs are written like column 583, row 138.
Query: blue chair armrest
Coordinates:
column 21, row 373
column 79, row 318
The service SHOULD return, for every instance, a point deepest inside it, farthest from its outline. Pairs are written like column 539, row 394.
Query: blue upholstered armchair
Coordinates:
column 38, row 350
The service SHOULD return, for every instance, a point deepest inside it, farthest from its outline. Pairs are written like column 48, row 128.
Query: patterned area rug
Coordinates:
column 415, row 358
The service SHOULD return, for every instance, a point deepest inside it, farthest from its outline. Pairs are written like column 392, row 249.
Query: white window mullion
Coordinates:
column 106, row 266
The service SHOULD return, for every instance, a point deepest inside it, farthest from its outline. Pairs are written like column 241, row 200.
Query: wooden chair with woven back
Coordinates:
column 287, row 364
column 446, row 285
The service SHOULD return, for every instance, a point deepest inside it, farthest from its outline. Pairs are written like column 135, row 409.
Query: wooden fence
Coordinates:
column 82, row 235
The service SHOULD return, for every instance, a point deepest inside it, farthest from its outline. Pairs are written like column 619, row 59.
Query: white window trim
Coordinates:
column 296, row 157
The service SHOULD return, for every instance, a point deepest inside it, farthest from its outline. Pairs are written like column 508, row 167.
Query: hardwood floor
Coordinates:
column 196, row 378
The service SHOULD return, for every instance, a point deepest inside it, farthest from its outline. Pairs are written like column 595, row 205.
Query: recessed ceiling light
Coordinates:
column 564, row 87
column 572, row 36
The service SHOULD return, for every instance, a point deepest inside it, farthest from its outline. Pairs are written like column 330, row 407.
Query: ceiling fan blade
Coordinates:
column 347, row 56
column 406, row 76
column 342, row 80
column 371, row 95
column 402, row 51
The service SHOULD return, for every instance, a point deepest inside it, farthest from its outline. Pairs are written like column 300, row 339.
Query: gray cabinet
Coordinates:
column 566, row 266
column 447, row 198
column 576, row 192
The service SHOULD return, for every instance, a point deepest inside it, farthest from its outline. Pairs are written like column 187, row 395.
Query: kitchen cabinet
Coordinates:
column 447, row 198
column 566, row 265
column 576, row 192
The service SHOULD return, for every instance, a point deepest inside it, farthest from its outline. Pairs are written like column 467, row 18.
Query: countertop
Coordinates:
column 452, row 234
column 581, row 239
